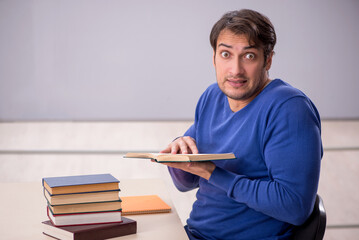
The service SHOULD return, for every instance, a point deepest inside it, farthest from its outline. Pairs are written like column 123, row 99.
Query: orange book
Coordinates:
column 143, row 205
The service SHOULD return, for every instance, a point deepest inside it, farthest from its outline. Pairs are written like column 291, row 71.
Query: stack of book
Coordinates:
column 85, row 207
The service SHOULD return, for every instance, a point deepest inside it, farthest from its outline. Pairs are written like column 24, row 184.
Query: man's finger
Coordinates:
column 191, row 144
column 166, row 150
column 183, row 146
column 174, row 148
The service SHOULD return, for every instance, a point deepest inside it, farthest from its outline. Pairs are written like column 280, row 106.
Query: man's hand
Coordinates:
column 187, row 145
column 202, row 169
column 184, row 145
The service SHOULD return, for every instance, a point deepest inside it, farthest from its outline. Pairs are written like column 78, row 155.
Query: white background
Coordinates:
column 151, row 60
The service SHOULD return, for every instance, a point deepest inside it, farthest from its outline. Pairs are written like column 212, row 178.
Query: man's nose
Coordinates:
column 236, row 67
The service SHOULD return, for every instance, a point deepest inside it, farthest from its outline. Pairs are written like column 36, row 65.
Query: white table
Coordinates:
column 23, row 208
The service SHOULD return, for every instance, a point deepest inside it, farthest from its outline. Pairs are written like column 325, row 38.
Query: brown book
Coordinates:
column 86, row 207
column 73, row 198
column 91, row 232
column 144, row 205
column 48, row 237
column 168, row 157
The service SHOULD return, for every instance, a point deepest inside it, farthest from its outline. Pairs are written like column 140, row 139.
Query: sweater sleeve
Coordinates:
column 183, row 181
column 292, row 151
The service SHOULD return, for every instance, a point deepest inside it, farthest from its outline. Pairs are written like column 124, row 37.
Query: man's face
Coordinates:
column 240, row 68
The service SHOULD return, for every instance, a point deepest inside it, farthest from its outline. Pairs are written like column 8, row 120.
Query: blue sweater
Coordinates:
column 272, row 183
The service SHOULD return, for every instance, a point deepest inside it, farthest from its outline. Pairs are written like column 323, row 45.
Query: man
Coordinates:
column 272, row 128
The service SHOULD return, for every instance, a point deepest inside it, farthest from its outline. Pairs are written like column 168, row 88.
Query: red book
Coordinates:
column 91, row 232
column 62, row 220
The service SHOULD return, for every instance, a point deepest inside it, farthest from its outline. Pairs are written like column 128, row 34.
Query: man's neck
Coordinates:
column 236, row 105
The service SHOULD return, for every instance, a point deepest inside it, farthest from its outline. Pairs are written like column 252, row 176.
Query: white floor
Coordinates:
column 32, row 150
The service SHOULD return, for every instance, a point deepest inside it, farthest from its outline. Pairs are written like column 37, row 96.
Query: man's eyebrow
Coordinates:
column 249, row 47
column 244, row 48
column 224, row 45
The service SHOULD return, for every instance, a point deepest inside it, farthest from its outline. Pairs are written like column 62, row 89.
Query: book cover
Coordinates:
column 48, row 237
column 86, row 207
column 62, row 220
column 91, row 232
column 80, row 183
column 168, row 157
column 73, row 198
column 146, row 204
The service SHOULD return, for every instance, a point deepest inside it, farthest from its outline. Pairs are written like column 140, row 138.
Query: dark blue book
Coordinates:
column 80, row 184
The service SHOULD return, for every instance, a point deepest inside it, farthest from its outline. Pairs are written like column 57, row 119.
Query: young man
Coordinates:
column 272, row 128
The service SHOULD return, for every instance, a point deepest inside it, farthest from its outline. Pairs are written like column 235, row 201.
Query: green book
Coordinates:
column 168, row 157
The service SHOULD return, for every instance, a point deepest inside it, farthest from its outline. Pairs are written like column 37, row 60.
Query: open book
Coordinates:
column 168, row 157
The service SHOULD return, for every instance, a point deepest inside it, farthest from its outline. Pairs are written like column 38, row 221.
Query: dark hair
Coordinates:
column 256, row 26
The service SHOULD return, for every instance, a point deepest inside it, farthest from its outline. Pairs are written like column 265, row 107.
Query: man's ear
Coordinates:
column 269, row 61
column 214, row 58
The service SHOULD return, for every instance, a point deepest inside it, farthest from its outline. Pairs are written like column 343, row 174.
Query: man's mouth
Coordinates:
column 236, row 82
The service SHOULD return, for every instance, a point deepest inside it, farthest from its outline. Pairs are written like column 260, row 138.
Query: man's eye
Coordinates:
column 225, row 54
column 249, row 56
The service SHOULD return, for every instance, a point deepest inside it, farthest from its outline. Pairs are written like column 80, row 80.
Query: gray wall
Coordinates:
column 151, row 60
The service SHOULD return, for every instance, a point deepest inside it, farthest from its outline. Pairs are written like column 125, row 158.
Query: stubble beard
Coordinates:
column 260, row 83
